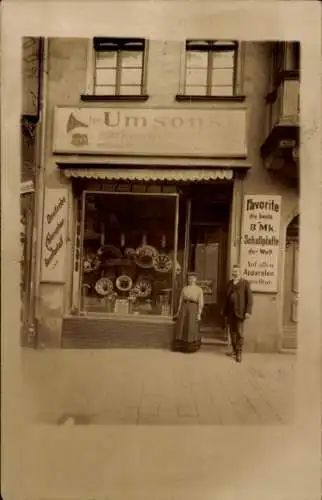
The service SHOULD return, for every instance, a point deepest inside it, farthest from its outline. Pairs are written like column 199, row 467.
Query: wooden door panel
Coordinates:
column 206, row 265
column 210, row 264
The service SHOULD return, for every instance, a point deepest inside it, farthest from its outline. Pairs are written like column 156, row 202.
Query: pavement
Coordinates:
column 157, row 387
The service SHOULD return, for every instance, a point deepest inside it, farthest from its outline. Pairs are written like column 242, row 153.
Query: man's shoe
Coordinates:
column 239, row 358
column 231, row 354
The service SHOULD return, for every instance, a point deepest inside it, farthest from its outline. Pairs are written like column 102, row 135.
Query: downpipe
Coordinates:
column 33, row 329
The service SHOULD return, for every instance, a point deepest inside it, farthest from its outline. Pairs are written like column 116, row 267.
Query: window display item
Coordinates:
column 164, row 301
column 163, row 241
column 103, row 286
column 165, row 309
column 130, row 253
column 143, row 288
column 132, row 296
column 88, row 267
column 124, row 283
column 121, row 306
column 146, row 307
column 90, row 263
column 109, row 252
column 145, row 255
column 162, row 263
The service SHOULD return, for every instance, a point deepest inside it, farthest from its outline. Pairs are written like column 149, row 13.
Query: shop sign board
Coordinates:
column 208, row 133
column 260, row 241
column 54, row 236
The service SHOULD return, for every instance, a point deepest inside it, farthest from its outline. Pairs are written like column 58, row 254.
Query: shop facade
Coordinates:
column 137, row 193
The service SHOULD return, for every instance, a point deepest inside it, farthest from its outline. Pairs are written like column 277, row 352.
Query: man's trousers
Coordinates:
column 236, row 330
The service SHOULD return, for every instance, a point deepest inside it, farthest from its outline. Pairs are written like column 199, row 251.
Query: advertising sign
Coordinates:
column 54, row 236
column 151, row 131
column 260, row 241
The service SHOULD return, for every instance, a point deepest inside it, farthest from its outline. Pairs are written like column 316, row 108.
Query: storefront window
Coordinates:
column 130, row 259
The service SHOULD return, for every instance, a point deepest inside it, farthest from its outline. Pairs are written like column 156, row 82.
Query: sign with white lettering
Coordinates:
column 260, row 241
column 148, row 132
column 54, row 236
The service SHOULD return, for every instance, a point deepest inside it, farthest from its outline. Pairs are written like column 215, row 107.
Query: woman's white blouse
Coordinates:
column 193, row 293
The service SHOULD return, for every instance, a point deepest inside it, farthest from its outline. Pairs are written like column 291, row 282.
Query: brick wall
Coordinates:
column 101, row 333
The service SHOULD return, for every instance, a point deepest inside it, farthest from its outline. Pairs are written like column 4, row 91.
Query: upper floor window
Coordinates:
column 210, row 68
column 119, row 66
column 286, row 57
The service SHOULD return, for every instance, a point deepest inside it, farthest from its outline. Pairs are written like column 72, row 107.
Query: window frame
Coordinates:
column 211, row 46
column 117, row 44
column 286, row 52
column 79, row 283
column 286, row 57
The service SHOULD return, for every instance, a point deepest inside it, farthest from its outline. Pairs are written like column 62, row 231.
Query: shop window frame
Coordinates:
column 117, row 45
column 80, row 310
column 211, row 47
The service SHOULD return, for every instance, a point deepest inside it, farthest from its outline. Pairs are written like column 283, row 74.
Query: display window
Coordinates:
column 132, row 253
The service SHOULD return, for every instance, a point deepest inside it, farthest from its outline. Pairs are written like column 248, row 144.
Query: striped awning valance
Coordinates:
column 149, row 175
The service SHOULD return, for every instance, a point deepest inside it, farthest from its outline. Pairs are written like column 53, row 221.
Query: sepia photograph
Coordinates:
column 160, row 218
column 161, row 250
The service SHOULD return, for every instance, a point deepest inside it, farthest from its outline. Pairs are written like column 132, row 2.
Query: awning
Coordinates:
column 148, row 175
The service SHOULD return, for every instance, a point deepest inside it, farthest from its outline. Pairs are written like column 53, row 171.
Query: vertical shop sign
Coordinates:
column 54, row 236
column 260, row 241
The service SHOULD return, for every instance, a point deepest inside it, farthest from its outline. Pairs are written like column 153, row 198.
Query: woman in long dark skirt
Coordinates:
column 187, row 336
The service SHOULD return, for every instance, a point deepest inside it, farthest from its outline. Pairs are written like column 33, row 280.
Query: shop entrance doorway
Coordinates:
column 208, row 254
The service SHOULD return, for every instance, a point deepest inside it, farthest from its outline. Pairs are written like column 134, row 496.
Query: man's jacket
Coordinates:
column 244, row 299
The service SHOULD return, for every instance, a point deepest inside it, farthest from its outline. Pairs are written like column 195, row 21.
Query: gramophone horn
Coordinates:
column 74, row 123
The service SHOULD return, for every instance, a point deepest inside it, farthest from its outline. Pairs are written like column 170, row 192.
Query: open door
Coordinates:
column 208, row 257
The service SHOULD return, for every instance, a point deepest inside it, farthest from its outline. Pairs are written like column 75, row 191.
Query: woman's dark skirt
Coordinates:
column 187, row 336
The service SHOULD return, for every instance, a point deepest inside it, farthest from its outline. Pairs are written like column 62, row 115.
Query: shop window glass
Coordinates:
column 119, row 66
column 210, row 68
column 130, row 259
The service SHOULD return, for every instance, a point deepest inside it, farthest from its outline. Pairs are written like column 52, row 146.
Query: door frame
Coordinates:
column 288, row 239
column 223, row 248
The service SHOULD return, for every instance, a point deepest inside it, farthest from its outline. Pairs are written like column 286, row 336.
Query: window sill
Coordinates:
column 117, row 98
column 141, row 318
column 218, row 98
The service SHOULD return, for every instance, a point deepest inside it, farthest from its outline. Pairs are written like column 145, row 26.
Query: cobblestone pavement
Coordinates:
column 146, row 386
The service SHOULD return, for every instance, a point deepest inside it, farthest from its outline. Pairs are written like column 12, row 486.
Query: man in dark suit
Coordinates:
column 237, row 307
